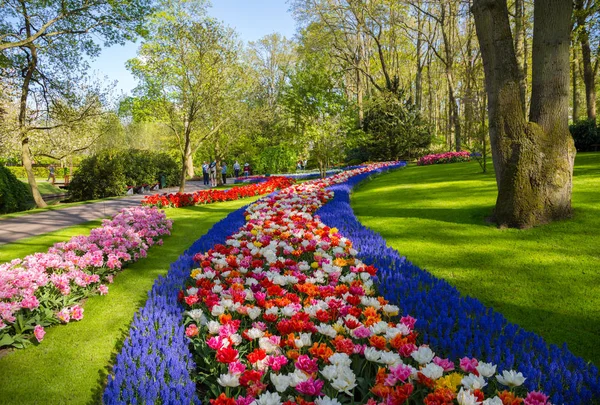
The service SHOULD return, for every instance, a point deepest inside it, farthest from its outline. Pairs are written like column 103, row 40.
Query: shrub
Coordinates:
column 14, row 194
column 168, row 167
column 276, row 159
column 109, row 173
column 98, row 176
column 585, row 134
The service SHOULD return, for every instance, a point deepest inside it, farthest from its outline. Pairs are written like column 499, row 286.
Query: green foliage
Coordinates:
column 585, row 134
column 38, row 171
column 276, row 159
column 395, row 128
column 14, row 194
column 109, row 173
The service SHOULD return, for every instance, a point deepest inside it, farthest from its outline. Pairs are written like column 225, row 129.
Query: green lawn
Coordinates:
column 71, row 364
column 46, row 187
column 545, row 279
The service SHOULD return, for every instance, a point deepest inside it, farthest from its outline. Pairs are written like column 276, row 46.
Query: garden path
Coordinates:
column 14, row 229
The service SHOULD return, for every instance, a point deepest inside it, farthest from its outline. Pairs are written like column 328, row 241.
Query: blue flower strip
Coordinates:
column 155, row 364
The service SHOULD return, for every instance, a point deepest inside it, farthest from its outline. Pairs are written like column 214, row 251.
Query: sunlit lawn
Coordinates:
column 545, row 279
column 70, row 365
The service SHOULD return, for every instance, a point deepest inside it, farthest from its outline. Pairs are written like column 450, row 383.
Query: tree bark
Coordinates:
column 454, row 119
column 23, row 131
column 575, row 116
column 187, row 150
column 533, row 160
column 190, row 165
column 589, row 78
column 520, row 50
column 419, row 75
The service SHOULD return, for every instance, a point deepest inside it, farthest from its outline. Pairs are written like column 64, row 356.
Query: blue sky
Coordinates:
column 252, row 19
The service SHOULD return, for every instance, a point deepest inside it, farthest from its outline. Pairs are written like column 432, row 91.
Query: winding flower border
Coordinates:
column 155, row 361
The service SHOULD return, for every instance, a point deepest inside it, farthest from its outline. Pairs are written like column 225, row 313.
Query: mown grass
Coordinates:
column 46, row 187
column 71, row 364
column 546, row 279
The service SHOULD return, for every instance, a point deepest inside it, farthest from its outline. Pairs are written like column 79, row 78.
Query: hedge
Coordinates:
column 14, row 194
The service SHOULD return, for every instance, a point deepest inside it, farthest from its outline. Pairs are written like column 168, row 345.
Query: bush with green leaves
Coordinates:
column 110, row 173
column 586, row 135
column 276, row 159
column 14, row 194
column 394, row 128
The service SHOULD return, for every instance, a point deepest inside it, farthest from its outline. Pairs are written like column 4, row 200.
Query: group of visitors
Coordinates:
column 209, row 172
column 301, row 164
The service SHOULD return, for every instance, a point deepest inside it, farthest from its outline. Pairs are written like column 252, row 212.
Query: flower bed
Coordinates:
column 45, row 288
column 462, row 326
column 179, row 200
column 240, row 329
column 285, row 310
column 448, row 157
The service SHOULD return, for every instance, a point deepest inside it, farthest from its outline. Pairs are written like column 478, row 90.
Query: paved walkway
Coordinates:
column 13, row 229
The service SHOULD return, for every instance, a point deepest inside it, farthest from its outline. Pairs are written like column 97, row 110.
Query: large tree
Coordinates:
column 42, row 43
column 533, row 157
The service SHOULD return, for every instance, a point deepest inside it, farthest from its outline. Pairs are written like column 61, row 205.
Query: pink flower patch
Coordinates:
column 39, row 332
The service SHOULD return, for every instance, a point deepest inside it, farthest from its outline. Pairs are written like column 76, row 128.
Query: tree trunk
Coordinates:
column 453, row 112
column 533, row 160
column 454, row 119
column 575, row 116
column 359, row 84
column 419, row 75
column 359, row 99
column 190, row 165
column 187, row 150
column 586, row 56
column 520, row 50
column 24, row 135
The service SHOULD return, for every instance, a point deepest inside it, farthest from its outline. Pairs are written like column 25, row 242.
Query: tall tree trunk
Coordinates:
column 586, row 57
column 190, row 164
column 469, row 79
column 574, row 72
column 454, row 119
column 359, row 99
column 533, row 160
column 520, row 50
column 24, row 133
column 453, row 112
column 187, row 151
column 430, row 105
column 419, row 75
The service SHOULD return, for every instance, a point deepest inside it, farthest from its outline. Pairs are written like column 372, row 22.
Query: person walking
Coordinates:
column 246, row 169
column 51, row 173
column 224, row 172
column 205, row 173
column 236, row 169
column 212, row 171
